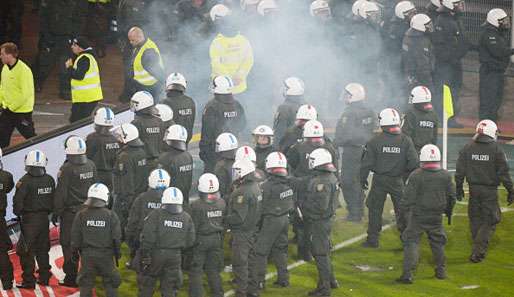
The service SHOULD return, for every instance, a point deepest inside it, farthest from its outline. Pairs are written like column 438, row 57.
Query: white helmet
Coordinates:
column 248, row 3
column 430, row 153
column 436, row 3
column 219, row 11
column 420, row 94
column 306, row 112
column 176, row 81
column 263, row 130
column 172, row 195
column 487, row 127
column 312, row 129
column 354, row 92
column 495, row 15
column 267, row 7
column 104, row 117
column 389, row 117
column 246, row 152
column 141, row 100
column 451, row 4
column 98, row 191
column 242, row 168
column 320, row 8
column 367, row 9
column 356, row 7
column 176, row 132
column 402, row 8
column 318, row 157
column 226, row 142
column 164, row 112
column 222, row 85
column 36, row 158
column 293, row 86
column 276, row 160
column 159, row 179
column 208, row 183
column 74, row 145
column 125, row 132
column 421, row 22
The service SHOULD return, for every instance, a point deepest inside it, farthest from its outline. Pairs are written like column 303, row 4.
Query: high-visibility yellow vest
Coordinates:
column 232, row 56
column 140, row 74
column 87, row 89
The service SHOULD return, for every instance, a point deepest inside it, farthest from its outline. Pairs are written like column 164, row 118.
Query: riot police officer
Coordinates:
column 294, row 133
column 278, row 198
column 313, row 137
column 158, row 181
column 150, row 126
column 263, row 138
column 75, row 177
column 165, row 113
column 226, row 146
column 183, row 106
column 390, row 155
column 421, row 122
column 96, row 235
column 353, row 130
column 208, row 214
column 429, row 193
column 417, row 53
column 6, row 270
column 318, row 206
column 221, row 114
column 284, row 118
column 177, row 161
column 482, row 162
column 32, row 203
column 246, row 152
column 130, row 171
column 166, row 233
column 244, row 213
column 102, row 146
column 450, row 47
column 494, row 53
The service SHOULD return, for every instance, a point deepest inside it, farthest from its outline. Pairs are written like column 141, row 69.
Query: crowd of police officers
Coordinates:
column 131, row 182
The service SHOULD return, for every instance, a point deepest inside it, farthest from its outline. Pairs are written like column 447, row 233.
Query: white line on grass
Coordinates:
column 335, row 248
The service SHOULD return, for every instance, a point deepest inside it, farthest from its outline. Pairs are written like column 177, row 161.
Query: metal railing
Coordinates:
column 475, row 13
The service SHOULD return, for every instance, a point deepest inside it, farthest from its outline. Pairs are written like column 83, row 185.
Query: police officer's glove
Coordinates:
column 460, row 194
column 510, row 197
column 365, row 184
column 146, row 261
column 75, row 256
column 54, row 219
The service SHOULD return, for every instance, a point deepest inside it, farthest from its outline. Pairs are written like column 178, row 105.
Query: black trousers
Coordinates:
column 450, row 75
column 37, row 245
column 82, row 110
column 491, row 92
column 6, row 270
column 10, row 120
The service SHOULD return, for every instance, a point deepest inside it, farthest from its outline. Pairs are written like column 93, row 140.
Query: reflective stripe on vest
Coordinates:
column 140, row 74
column 99, row 1
column 87, row 89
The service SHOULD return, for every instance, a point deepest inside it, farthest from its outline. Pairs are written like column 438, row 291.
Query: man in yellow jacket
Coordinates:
column 86, row 89
column 230, row 52
column 146, row 68
column 16, row 95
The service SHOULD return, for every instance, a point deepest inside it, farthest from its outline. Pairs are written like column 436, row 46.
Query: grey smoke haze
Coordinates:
column 290, row 43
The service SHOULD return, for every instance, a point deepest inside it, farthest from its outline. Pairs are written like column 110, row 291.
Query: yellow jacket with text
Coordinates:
column 232, row 56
